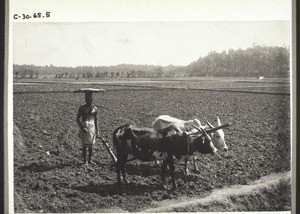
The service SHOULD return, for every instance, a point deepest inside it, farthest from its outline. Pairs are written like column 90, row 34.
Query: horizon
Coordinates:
column 48, row 65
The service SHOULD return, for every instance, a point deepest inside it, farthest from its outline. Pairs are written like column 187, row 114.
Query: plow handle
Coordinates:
column 113, row 157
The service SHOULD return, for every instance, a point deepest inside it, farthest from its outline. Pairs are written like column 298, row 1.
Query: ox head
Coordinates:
column 218, row 137
column 204, row 142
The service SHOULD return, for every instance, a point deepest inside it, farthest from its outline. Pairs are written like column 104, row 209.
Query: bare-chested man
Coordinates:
column 87, row 121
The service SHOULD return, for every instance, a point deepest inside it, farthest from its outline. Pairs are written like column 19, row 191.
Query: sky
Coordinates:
column 154, row 43
column 105, row 33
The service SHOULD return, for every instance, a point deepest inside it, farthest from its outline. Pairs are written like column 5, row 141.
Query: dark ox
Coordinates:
column 143, row 143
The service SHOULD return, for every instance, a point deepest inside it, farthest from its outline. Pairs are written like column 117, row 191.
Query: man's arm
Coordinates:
column 79, row 115
column 96, row 124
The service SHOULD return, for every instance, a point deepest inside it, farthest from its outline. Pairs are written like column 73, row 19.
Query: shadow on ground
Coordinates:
column 143, row 169
column 115, row 189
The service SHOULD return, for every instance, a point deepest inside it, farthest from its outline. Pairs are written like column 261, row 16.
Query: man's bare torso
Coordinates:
column 87, row 112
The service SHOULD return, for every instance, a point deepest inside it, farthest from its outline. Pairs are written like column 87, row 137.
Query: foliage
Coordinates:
column 252, row 62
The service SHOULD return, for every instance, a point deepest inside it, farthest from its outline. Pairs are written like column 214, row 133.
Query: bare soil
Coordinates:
column 48, row 171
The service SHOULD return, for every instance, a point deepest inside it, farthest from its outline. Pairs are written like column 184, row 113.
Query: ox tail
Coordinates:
column 116, row 145
column 115, row 140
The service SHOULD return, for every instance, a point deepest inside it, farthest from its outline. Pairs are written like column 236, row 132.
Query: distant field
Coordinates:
column 233, row 84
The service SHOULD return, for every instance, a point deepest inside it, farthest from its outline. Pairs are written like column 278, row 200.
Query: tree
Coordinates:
column 97, row 75
column 132, row 73
column 159, row 72
column 30, row 72
column 16, row 73
column 254, row 61
column 89, row 75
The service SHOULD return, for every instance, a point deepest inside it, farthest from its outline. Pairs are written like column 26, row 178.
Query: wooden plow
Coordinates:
column 106, row 145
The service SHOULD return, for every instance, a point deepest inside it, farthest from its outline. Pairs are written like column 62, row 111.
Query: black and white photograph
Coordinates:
column 151, row 114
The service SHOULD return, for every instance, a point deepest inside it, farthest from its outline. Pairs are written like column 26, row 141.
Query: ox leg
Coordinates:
column 120, row 163
column 123, row 167
column 172, row 170
column 118, row 172
column 186, row 167
column 163, row 170
column 84, row 154
column 195, row 165
column 124, row 173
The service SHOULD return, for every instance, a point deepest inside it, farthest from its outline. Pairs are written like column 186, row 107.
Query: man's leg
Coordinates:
column 90, row 154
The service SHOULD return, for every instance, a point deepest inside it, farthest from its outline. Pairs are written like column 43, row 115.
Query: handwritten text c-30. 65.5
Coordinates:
column 30, row 16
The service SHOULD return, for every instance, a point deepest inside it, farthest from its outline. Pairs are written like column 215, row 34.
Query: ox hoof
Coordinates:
column 165, row 187
column 187, row 172
column 197, row 171
column 174, row 187
column 91, row 162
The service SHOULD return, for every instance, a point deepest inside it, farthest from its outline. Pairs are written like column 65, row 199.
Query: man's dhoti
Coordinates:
column 88, row 138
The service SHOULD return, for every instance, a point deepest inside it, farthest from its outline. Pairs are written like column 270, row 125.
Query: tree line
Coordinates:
column 252, row 62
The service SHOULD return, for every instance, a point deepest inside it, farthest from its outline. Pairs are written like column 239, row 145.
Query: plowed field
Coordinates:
column 48, row 171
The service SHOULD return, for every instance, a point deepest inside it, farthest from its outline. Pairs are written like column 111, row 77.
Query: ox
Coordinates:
column 218, row 137
column 142, row 143
column 164, row 121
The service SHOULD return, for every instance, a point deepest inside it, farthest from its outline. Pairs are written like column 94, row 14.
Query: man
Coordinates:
column 87, row 121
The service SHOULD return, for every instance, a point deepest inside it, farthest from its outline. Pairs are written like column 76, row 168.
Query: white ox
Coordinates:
column 218, row 137
column 164, row 121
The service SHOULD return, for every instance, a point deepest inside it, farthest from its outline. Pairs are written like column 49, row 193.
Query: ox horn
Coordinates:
column 217, row 128
column 209, row 124
column 219, row 121
column 200, row 129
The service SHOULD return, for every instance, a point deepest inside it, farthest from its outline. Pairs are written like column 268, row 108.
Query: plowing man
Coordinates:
column 87, row 121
